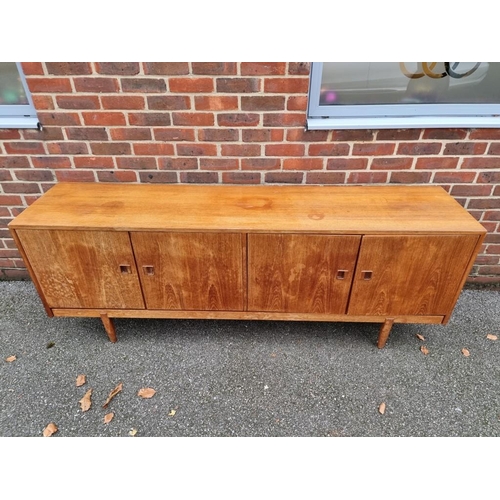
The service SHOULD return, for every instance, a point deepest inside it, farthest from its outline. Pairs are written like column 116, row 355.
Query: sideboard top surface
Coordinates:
column 257, row 208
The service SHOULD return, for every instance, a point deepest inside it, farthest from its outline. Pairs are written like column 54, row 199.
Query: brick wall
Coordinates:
column 224, row 123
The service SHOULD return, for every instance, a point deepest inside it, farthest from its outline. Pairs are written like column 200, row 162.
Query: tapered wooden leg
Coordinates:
column 385, row 330
column 109, row 326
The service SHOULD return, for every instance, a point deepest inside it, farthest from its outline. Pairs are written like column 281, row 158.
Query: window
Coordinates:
column 16, row 105
column 404, row 95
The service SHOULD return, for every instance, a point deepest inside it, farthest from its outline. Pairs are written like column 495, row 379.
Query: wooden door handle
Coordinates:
column 125, row 269
column 341, row 274
column 148, row 270
column 366, row 275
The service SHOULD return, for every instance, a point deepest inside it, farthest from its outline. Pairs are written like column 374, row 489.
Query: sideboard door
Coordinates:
column 83, row 269
column 410, row 275
column 300, row 273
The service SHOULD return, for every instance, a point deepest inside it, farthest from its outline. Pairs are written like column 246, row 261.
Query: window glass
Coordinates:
column 11, row 85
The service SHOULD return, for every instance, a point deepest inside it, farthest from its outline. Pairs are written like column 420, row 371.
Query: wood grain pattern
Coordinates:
column 297, row 273
column 313, row 209
column 201, row 271
column 414, row 275
column 78, row 269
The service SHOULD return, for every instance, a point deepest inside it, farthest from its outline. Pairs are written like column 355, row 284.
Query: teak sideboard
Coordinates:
column 383, row 254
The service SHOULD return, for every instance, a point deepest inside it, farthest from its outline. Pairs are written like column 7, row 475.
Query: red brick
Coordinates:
column 117, row 176
column 34, row 175
column 199, row 177
column 214, row 68
column 488, row 177
column 32, row 68
column 286, row 85
column 131, row 134
column 283, row 177
column 20, row 188
column 353, row 135
column 14, row 162
column 60, row 118
column 25, row 147
column 200, row 149
column 325, row 178
column 283, row 119
column 110, row 148
column 262, row 135
column 296, row 103
column 149, row 119
column 99, row 162
column 96, row 84
column 190, row 84
column 68, row 148
column 411, row 134
column 465, row 148
column 122, row 102
column 299, row 68
column 5, row 175
column 215, row 103
column 9, row 134
column 391, row 163
column 328, row 149
column 490, row 270
column 484, row 203
column 42, row 102
column 241, row 177
column 51, row 161
column 75, row 176
column 301, row 135
column 474, row 190
column 367, row 177
column 436, row 163
column 445, row 133
column 303, row 164
column 410, row 177
column 419, row 148
column 136, row 162
column 193, row 119
column 238, row 119
column 480, row 163
column 104, row 118
column 46, row 134
column 487, row 260
column 174, row 134
column 347, row 164
column 169, row 102
column 153, row 149
column 87, row 134
column 485, row 134
column 238, row 85
column 49, row 85
column 241, row 150
column 117, row 68
column 491, row 215
column 10, row 200
column 263, row 103
column 177, row 163
column 263, row 68
column 373, row 149
column 218, row 135
column 493, row 249
column 166, row 68
column 494, row 148
column 14, row 274
column 453, row 177
column 219, row 163
column 143, row 85
column 78, row 102
column 260, row 163
column 68, row 68
column 285, row 149
column 158, row 177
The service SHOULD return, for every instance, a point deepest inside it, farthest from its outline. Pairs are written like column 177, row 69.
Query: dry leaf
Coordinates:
column 491, row 336
column 10, row 359
column 381, row 408
column 424, row 349
column 50, row 429
column 420, row 337
column 108, row 417
column 465, row 352
column 171, row 413
column 132, row 432
column 80, row 380
column 85, row 402
column 146, row 392
column 112, row 394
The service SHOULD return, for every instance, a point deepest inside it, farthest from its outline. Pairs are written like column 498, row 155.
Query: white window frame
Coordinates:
column 19, row 115
column 394, row 116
